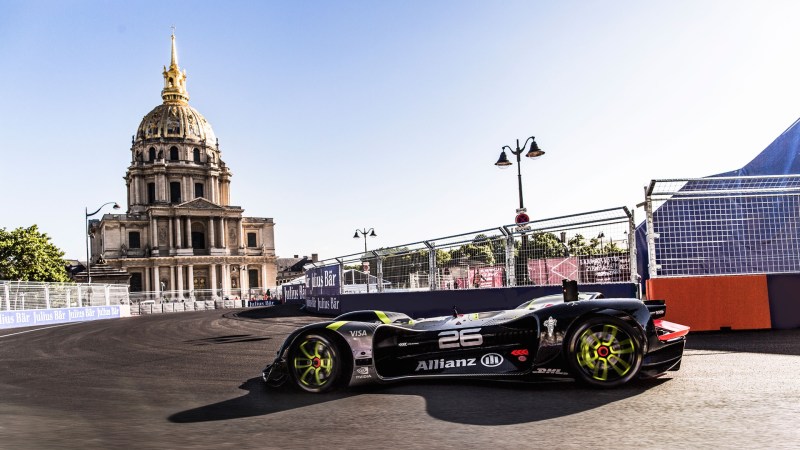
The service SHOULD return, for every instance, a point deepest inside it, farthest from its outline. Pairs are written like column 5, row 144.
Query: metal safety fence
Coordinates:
column 26, row 295
column 592, row 247
column 723, row 226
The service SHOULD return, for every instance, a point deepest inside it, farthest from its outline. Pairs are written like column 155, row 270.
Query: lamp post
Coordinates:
column 503, row 162
column 363, row 233
column 88, row 236
column 533, row 153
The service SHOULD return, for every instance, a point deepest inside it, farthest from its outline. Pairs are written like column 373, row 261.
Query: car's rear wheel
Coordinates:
column 604, row 352
column 315, row 364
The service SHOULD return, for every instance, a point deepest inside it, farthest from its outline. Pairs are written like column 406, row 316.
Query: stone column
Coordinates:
column 154, row 232
column 223, row 233
column 178, row 240
column 226, row 279
column 211, row 240
column 264, row 286
column 180, row 280
column 190, row 278
column 170, row 225
column 241, row 233
column 146, row 275
column 188, row 232
column 244, row 281
column 190, row 182
column 212, row 271
column 156, row 281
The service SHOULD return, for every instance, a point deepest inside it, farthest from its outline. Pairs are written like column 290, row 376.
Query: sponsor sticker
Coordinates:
column 491, row 360
column 550, row 323
column 358, row 333
column 436, row 364
column 363, row 370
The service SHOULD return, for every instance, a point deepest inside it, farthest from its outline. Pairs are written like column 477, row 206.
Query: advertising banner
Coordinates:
column 323, row 287
column 294, row 293
column 585, row 269
column 32, row 317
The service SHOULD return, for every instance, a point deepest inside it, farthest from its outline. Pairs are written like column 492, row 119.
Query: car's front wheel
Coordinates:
column 314, row 363
column 604, row 352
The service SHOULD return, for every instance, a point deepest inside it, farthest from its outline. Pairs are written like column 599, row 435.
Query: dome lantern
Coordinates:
column 174, row 80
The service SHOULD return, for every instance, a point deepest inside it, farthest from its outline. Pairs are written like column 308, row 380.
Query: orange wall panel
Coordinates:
column 710, row 303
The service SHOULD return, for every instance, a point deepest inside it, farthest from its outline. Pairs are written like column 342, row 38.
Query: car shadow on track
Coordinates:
column 468, row 402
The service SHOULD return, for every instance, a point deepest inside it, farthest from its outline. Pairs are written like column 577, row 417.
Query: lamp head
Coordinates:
column 535, row 151
column 355, row 236
column 116, row 206
column 503, row 161
column 373, row 234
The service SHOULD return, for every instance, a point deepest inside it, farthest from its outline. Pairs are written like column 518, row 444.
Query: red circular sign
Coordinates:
column 522, row 218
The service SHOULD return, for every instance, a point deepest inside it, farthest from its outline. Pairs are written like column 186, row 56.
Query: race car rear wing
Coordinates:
column 657, row 308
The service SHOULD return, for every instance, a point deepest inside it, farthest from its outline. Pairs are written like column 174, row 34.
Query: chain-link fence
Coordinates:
column 723, row 226
column 23, row 295
column 591, row 247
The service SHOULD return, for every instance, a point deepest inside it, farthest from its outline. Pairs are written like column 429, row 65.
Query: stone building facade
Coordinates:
column 180, row 232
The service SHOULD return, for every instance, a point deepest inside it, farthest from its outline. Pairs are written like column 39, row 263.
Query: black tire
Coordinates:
column 604, row 351
column 315, row 363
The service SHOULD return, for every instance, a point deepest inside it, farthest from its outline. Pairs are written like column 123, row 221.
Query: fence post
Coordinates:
column 652, row 268
column 431, row 264
column 78, row 301
column 632, row 247
column 106, row 289
column 511, row 272
column 7, row 294
column 379, row 259
column 47, row 296
column 341, row 275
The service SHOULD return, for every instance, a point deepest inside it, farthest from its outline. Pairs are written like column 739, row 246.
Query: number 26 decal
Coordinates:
column 470, row 337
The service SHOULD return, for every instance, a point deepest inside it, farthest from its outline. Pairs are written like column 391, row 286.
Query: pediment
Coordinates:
column 199, row 203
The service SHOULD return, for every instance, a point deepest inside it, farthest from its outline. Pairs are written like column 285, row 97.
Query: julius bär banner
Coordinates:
column 323, row 287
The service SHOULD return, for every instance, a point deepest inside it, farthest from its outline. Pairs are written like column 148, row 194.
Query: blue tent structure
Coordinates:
column 781, row 157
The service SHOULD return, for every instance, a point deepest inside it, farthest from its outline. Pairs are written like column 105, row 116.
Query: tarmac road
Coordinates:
column 190, row 380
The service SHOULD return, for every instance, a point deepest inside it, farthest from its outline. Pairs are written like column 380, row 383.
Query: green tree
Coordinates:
column 28, row 255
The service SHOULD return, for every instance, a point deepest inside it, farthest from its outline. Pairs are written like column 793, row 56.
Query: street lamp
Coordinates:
column 363, row 233
column 88, row 236
column 503, row 162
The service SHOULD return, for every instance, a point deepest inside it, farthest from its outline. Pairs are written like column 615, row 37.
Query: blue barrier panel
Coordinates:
column 784, row 300
column 438, row 303
column 32, row 317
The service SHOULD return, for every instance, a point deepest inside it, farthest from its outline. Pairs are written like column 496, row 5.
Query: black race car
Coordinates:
column 601, row 342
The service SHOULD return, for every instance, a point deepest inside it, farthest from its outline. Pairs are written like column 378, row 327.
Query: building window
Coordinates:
column 151, row 154
column 173, row 154
column 198, row 190
column 251, row 239
column 252, row 278
column 175, row 192
column 133, row 239
column 136, row 282
column 151, row 193
column 196, row 153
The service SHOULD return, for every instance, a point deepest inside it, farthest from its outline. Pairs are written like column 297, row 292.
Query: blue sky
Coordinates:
column 390, row 114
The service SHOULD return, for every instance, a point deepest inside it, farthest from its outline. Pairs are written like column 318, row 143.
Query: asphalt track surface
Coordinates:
column 190, row 380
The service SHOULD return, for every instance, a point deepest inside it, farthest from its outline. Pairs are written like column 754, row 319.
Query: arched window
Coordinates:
column 173, row 154
column 196, row 153
column 152, row 154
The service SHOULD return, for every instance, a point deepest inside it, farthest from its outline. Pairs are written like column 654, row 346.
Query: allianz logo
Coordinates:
column 487, row 360
column 491, row 360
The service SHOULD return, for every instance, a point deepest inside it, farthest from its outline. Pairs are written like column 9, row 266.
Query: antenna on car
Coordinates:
column 455, row 311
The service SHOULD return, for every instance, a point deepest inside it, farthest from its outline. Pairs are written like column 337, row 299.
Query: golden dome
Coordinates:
column 175, row 119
